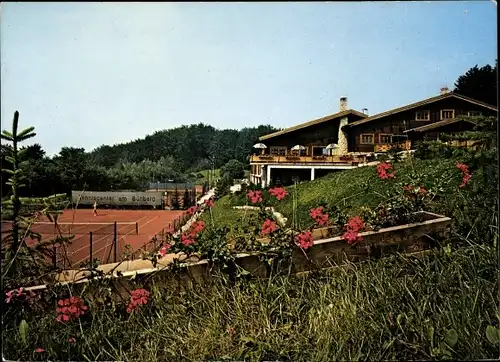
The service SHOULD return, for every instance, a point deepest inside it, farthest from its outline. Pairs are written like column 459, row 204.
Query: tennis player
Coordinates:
column 95, row 208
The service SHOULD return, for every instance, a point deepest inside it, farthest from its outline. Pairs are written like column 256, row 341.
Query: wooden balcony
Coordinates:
column 315, row 160
column 405, row 146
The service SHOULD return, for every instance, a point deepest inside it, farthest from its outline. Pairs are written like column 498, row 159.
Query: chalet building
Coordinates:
column 347, row 139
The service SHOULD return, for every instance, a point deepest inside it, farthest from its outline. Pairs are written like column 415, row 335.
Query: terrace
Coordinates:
column 301, row 159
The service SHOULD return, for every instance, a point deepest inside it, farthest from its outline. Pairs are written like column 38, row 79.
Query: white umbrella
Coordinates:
column 259, row 145
column 332, row 146
column 298, row 148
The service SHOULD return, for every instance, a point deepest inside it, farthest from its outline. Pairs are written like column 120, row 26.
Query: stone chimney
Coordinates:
column 365, row 111
column 444, row 90
column 343, row 104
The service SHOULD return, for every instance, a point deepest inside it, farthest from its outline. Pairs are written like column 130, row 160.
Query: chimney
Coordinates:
column 343, row 104
column 444, row 90
column 365, row 111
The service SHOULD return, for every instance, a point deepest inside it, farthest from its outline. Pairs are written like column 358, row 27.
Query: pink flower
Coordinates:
column 39, row 350
column 255, row 196
column 304, row 240
column 72, row 340
column 279, row 192
column 209, row 203
column 70, row 308
column 10, row 296
column 19, row 294
column 164, row 250
column 138, row 297
column 268, row 227
column 382, row 169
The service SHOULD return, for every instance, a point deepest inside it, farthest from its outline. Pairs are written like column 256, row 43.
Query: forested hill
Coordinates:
column 191, row 146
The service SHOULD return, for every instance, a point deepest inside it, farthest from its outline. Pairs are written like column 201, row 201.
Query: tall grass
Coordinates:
column 379, row 310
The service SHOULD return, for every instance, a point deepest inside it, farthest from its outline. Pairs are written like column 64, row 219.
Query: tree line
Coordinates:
column 173, row 155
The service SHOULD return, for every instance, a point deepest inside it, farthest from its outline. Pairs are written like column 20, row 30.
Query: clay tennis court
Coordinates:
column 134, row 227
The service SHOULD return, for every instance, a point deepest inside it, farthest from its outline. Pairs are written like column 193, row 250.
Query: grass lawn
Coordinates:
column 383, row 310
column 223, row 215
column 205, row 174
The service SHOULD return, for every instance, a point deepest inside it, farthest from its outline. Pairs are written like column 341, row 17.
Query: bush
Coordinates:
column 234, row 169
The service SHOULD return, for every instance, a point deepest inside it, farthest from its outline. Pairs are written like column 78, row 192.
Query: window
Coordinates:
column 422, row 115
column 385, row 138
column 278, row 151
column 474, row 113
column 447, row 113
column 367, row 139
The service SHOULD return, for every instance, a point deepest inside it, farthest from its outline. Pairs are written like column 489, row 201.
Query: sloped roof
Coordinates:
column 312, row 123
column 419, row 104
column 437, row 125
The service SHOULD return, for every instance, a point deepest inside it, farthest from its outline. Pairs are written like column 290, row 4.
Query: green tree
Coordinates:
column 233, row 169
column 479, row 83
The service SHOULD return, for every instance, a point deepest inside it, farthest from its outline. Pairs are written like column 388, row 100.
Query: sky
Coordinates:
column 88, row 74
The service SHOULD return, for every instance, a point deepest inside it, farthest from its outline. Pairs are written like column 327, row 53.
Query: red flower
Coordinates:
column 71, row 308
column 465, row 171
column 138, row 297
column 319, row 217
column 163, row 251
column 382, row 169
column 408, row 188
column 197, row 227
column 278, row 192
column 39, row 350
column 255, row 196
column 304, row 240
column 351, row 236
column 353, row 226
column 422, row 191
column 462, row 167
column 268, row 227
column 187, row 239
column 355, row 223
column 192, row 210
column 465, row 180
column 72, row 340
column 209, row 203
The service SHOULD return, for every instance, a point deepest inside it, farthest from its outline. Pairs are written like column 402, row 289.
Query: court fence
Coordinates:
column 159, row 238
column 99, row 243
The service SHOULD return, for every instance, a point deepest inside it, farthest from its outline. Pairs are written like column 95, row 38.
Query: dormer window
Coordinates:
column 447, row 114
column 422, row 115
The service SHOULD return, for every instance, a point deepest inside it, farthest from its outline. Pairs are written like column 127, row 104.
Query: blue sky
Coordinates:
column 87, row 74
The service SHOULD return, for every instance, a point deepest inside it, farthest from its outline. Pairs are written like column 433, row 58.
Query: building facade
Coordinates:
column 302, row 152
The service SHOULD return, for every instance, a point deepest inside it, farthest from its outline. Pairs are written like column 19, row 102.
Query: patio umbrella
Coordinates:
column 259, row 145
column 332, row 146
column 298, row 148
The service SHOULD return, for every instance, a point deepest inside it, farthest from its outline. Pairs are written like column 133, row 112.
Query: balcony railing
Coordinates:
column 295, row 159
